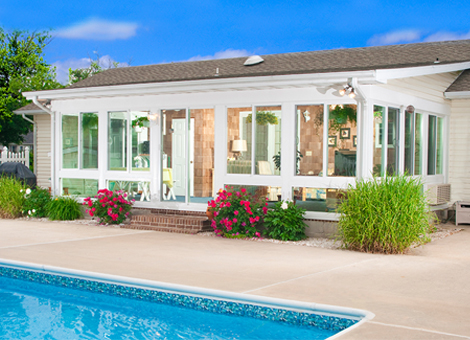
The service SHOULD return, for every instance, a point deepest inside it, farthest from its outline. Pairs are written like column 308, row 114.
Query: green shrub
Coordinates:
column 64, row 208
column 285, row 222
column 36, row 202
column 12, row 193
column 384, row 215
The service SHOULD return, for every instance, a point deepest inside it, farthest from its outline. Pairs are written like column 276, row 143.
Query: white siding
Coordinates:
column 429, row 87
column 459, row 155
column 43, row 150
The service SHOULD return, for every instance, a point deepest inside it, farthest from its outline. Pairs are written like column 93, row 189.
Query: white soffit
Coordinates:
column 396, row 73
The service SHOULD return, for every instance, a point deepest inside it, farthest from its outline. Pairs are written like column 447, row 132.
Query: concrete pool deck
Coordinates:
column 422, row 295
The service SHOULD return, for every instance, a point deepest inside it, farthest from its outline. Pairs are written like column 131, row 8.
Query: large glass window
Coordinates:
column 435, row 145
column 418, row 144
column 140, row 142
column 409, row 142
column 70, row 141
column 379, row 139
column 386, row 138
column 79, row 187
column 239, row 134
column 318, row 199
column 267, row 134
column 268, row 140
column 201, row 155
column 89, row 140
column 188, row 163
column 137, row 190
column 440, row 146
column 117, row 141
column 342, row 140
column 309, row 153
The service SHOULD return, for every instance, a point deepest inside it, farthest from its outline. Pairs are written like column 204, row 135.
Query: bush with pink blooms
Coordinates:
column 237, row 213
column 109, row 207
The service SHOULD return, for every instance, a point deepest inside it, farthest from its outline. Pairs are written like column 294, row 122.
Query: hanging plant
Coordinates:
column 140, row 122
column 263, row 118
column 340, row 115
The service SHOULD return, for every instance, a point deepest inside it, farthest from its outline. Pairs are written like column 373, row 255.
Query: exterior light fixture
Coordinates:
column 348, row 89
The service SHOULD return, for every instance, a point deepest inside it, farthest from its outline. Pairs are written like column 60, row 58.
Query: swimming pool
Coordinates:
column 57, row 303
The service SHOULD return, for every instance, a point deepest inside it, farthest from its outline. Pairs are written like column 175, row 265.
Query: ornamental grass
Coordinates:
column 385, row 215
column 12, row 197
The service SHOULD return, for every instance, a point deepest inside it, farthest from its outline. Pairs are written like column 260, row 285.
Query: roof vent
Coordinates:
column 253, row 60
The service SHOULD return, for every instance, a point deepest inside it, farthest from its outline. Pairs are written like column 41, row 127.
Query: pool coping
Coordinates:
column 361, row 316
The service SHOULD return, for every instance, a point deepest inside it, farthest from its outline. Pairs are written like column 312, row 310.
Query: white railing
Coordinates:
column 8, row 156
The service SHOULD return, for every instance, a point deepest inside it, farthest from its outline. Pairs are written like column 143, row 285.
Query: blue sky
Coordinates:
column 157, row 31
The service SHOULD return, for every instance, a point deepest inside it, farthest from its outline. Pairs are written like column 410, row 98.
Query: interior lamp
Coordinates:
column 306, row 116
column 238, row 146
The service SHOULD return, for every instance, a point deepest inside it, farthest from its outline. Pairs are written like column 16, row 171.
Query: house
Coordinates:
column 172, row 134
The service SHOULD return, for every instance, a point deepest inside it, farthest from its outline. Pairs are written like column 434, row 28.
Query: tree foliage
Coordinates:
column 96, row 66
column 22, row 68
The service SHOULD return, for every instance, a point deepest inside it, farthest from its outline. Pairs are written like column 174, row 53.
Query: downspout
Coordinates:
column 45, row 109
column 34, row 141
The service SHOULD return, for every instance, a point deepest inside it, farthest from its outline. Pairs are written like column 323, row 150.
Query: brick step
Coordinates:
column 181, row 222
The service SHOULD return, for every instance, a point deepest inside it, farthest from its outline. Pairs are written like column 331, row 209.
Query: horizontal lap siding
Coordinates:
column 459, row 154
column 429, row 87
column 43, row 149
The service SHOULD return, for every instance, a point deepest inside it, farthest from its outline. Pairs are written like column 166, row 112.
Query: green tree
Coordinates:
column 22, row 68
column 95, row 67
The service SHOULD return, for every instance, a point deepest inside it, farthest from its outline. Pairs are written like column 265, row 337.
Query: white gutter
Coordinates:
column 45, row 109
column 457, row 95
column 204, row 85
column 395, row 73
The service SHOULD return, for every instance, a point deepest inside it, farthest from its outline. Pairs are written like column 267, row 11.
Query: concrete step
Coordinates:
column 174, row 221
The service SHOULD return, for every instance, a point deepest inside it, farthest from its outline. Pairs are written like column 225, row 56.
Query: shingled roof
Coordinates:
column 462, row 83
column 31, row 107
column 339, row 60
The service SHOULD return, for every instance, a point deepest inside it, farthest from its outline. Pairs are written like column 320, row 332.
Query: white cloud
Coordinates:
column 229, row 53
column 98, row 29
column 395, row 37
column 444, row 36
column 62, row 67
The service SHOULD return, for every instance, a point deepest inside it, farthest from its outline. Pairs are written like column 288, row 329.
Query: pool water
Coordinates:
column 30, row 310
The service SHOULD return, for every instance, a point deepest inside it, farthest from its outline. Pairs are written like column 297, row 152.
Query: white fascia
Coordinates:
column 457, row 95
column 206, row 85
column 396, row 73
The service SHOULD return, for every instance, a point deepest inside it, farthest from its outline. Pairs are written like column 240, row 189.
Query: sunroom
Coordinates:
column 302, row 136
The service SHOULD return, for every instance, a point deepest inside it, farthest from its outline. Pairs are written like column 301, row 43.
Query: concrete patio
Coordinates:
column 422, row 295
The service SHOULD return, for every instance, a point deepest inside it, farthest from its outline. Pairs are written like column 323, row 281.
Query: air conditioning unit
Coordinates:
column 438, row 194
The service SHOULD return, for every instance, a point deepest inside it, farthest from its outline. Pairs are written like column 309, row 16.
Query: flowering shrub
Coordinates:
column 36, row 202
column 285, row 222
column 110, row 207
column 237, row 214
